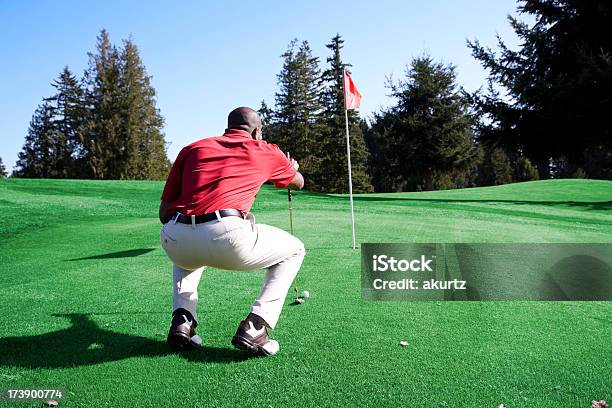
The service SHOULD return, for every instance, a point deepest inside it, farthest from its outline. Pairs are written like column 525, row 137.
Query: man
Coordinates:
column 205, row 211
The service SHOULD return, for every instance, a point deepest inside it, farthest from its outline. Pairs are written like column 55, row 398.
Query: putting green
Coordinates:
column 86, row 297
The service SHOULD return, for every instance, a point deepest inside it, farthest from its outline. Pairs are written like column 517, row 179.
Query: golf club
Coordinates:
column 297, row 300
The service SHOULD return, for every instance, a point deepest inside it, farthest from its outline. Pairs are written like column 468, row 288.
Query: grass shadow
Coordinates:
column 130, row 253
column 85, row 343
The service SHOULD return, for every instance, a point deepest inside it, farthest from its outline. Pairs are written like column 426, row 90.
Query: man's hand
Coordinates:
column 294, row 162
column 298, row 181
column 164, row 217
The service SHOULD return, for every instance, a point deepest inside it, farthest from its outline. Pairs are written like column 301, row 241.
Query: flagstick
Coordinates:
column 348, row 145
column 348, row 155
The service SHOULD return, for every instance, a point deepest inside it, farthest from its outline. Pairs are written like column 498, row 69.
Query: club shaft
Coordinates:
column 295, row 289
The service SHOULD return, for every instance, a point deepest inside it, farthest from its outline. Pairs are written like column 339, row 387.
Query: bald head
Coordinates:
column 246, row 119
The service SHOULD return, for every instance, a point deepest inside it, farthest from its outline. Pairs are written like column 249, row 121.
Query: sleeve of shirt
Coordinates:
column 172, row 189
column 281, row 171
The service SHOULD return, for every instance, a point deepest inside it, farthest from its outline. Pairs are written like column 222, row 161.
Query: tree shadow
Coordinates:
column 587, row 205
column 455, row 205
column 85, row 343
column 592, row 205
column 120, row 254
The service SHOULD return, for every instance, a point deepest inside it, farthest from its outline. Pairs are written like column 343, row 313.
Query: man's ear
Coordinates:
column 256, row 134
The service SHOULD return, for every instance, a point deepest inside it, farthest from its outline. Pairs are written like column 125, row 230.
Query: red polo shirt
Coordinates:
column 224, row 172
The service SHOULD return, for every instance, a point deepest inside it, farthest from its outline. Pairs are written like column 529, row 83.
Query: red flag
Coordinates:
column 352, row 97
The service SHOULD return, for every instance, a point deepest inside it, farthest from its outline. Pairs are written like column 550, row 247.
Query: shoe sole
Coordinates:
column 245, row 344
column 178, row 341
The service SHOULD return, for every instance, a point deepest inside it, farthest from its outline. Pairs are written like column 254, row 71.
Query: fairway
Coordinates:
column 86, row 302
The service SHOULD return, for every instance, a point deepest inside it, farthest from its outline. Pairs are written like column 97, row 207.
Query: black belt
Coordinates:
column 199, row 219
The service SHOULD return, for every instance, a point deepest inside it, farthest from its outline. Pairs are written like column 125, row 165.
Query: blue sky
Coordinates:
column 208, row 57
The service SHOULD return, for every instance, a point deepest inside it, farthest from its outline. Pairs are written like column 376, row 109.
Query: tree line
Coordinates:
column 104, row 125
column 542, row 115
column 427, row 140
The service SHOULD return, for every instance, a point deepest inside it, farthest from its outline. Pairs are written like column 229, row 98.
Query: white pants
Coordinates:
column 237, row 244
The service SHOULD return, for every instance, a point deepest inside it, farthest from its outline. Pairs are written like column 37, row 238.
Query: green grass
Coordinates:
column 86, row 300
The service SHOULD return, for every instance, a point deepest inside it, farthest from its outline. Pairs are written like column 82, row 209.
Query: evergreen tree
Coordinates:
column 285, row 114
column 424, row 142
column 140, row 128
column 496, row 168
column 69, row 121
column 55, row 134
column 380, row 138
column 38, row 158
column 500, row 165
column 3, row 173
column 105, row 149
column 524, row 170
column 266, row 115
column 123, row 136
column 294, row 123
column 333, row 176
column 558, row 83
column 269, row 125
column 598, row 163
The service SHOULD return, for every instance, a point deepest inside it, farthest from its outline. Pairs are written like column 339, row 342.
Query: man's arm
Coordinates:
column 172, row 188
column 298, row 180
column 282, row 170
column 164, row 217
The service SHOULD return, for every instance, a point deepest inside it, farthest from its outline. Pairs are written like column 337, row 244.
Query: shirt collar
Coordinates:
column 237, row 132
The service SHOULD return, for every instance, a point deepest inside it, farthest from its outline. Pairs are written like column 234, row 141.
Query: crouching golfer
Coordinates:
column 205, row 211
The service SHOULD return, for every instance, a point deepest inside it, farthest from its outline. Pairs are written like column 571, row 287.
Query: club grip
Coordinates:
column 289, row 194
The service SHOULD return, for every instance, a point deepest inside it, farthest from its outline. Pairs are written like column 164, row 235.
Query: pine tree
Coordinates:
column 524, row 170
column 425, row 140
column 380, row 138
column 268, row 123
column 285, row 111
column 54, row 138
column 294, row 123
column 556, row 85
column 333, row 176
column 37, row 158
column 265, row 114
column 105, row 150
column 496, row 168
column 69, row 121
column 598, row 163
column 3, row 173
column 140, row 130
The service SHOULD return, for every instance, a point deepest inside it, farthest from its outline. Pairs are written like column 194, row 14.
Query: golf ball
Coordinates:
column 305, row 294
column 404, row 343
